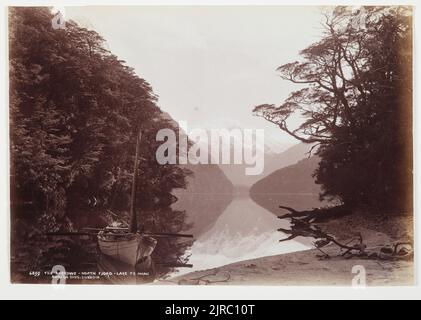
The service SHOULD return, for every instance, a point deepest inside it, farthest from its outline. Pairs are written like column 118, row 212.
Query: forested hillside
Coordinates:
column 75, row 111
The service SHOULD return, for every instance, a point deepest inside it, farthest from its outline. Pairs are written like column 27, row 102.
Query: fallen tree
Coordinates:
column 318, row 214
column 303, row 224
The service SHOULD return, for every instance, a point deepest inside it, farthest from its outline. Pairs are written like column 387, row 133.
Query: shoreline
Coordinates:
column 310, row 268
column 302, row 269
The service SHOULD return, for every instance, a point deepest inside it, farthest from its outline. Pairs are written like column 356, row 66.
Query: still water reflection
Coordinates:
column 244, row 231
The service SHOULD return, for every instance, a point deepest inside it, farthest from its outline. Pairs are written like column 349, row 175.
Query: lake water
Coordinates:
column 230, row 230
column 244, row 231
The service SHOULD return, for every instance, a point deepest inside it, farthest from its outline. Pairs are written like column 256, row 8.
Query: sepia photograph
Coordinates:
column 211, row 145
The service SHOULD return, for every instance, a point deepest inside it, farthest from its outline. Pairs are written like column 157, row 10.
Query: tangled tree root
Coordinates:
column 303, row 225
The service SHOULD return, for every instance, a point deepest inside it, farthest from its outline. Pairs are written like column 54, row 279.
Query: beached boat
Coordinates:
column 126, row 244
column 128, row 248
column 124, row 248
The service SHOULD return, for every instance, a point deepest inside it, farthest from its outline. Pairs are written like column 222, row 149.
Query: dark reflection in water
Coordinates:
column 202, row 209
column 247, row 229
column 35, row 255
column 226, row 231
column 298, row 201
column 83, row 263
column 243, row 231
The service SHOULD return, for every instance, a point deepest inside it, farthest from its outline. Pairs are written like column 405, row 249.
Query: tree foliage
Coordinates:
column 75, row 111
column 355, row 97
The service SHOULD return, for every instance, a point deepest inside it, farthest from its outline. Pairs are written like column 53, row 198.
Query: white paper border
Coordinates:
column 9, row 291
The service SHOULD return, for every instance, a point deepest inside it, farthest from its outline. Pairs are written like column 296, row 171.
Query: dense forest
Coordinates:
column 355, row 94
column 75, row 113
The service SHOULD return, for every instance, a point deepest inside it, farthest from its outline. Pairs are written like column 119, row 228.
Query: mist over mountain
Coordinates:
column 286, row 179
column 207, row 195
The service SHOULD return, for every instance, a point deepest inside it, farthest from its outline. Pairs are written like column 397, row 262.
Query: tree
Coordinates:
column 75, row 112
column 355, row 96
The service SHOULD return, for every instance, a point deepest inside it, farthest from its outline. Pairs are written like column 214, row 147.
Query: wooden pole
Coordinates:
column 168, row 235
column 133, row 215
column 148, row 234
column 70, row 234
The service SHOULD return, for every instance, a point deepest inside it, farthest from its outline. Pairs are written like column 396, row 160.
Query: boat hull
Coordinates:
column 124, row 249
column 127, row 248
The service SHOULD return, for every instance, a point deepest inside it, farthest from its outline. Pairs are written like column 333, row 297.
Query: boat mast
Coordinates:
column 133, row 215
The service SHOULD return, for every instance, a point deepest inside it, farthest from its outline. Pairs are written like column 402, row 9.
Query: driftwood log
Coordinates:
column 304, row 228
column 316, row 215
column 303, row 224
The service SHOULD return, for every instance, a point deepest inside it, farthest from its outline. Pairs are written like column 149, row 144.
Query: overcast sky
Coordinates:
column 209, row 65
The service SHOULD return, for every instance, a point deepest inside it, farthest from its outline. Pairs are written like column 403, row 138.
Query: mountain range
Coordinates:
column 207, row 195
column 273, row 161
column 286, row 180
column 292, row 186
